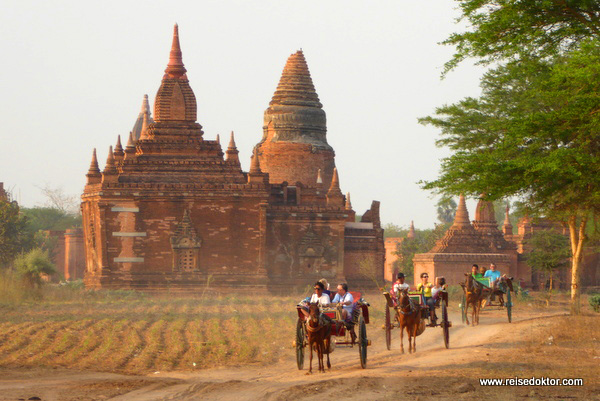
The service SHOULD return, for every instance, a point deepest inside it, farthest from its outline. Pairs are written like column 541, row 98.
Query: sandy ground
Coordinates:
column 432, row 373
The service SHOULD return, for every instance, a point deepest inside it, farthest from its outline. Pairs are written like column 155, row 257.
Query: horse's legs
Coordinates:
column 415, row 328
column 467, row 312
column 310, row 345
column 328, row 345
column 402, row 339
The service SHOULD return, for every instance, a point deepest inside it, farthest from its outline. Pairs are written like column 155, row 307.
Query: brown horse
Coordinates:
column 473, row 297
column 319, row 336
column 409, row 318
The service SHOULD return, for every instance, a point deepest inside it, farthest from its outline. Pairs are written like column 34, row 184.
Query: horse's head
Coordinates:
column 314, row 312
column 403, row 298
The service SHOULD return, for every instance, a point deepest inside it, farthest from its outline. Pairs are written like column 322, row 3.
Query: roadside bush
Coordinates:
column 33, row 266
column 595, row 302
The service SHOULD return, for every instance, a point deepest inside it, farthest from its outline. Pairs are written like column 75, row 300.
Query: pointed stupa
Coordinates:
column 144, row 130
column 137, row 127
column 175, row 68
column 348, row 205
column 295, row 124
column 461, row 237
column 94, row 169
column 486, row 225
column 334, row 194
column 130, row 147
column 218, row 139
column 110, row 167
column 507, row 228
column 411, row 230
column 93, row 175
column 175, row 100
column 255, row 165
column 231, row 154
column 295, row 86
column 118, row 153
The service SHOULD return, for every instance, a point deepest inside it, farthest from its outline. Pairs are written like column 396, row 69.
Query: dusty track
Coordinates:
column 433, row 372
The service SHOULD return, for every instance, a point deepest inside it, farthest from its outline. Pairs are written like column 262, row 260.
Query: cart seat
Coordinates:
column 417, row 297
column 485, row 281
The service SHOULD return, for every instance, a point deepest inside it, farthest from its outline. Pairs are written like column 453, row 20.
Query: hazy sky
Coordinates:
column 74, row 73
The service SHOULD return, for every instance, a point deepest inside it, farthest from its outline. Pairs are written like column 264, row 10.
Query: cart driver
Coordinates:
column 345, row 299
column 399, row 286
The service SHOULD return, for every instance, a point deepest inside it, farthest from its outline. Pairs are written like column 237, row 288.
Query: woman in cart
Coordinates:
column 425, row 287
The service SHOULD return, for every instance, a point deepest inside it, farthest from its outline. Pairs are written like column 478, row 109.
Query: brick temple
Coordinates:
column 173, row 210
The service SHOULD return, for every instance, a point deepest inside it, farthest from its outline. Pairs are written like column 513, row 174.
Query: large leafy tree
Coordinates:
column 13, row 235
column 534, row 132
column 549, row 253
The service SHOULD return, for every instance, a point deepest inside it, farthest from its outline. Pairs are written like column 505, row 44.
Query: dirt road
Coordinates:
column 431, row 373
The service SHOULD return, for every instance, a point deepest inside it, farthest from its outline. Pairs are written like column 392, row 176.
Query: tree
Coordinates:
column 13, row 235
column 56, row 198
column 534, row 131
column 46, row 218
column 422, row 242
column 549, row 252
column 33, row 265
column 512, row 30
column 392, row 230
column 446, row 209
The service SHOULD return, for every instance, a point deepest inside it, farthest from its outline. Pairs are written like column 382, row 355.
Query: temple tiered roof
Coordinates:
column 461, row 237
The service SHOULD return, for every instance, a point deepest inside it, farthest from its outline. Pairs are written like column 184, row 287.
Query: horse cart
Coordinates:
column 486, row 293
column 345, row 334
column 393, row 319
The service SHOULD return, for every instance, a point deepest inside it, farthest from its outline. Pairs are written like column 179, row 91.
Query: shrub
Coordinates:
column 595, row 302
column 33, row 266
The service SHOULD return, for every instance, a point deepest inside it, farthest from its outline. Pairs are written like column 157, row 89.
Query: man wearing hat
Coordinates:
column 399, row 286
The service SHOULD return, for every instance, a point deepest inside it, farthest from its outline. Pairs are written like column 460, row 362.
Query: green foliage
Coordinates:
column 49, row 218
column 392, row 230
column 446, row 209
column 518, row 29
column 32, row 265
column 13, row 235
column 423, row 241
column 549, row 251
column 595, row 302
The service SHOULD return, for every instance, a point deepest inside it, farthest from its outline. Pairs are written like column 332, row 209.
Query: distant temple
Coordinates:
column 173, row 210
column 481, row 242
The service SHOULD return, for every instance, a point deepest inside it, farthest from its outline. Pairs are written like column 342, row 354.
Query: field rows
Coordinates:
column 149, row 334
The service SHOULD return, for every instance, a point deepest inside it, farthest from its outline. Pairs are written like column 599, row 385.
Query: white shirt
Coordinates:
column 398, row 288
column 322, row 300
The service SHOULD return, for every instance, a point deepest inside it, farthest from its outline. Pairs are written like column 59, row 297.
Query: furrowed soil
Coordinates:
column 239, row 348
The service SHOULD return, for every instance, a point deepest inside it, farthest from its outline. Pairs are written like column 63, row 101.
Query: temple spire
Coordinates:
column 507, row 228
column 461, row 219
column 94, row 164
column 144, row 130
column 348, row 204
column 130, row 147
column 255, row 165
column 110, row 167
column 411, row 230
column 334, row 194
column 118, row 153
column 295, row 85
column 231, row 154
column 93, row 174
column 175, row 68
column 145, row 110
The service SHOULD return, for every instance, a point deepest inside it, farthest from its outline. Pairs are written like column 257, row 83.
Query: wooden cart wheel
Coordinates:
column 300, row 341
column 363, row 342
column 508, row 305
column 388, row 328
column 463, row 308
column 445, row 325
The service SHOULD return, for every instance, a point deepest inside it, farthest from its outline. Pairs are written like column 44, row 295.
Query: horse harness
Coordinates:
column 412, row 307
